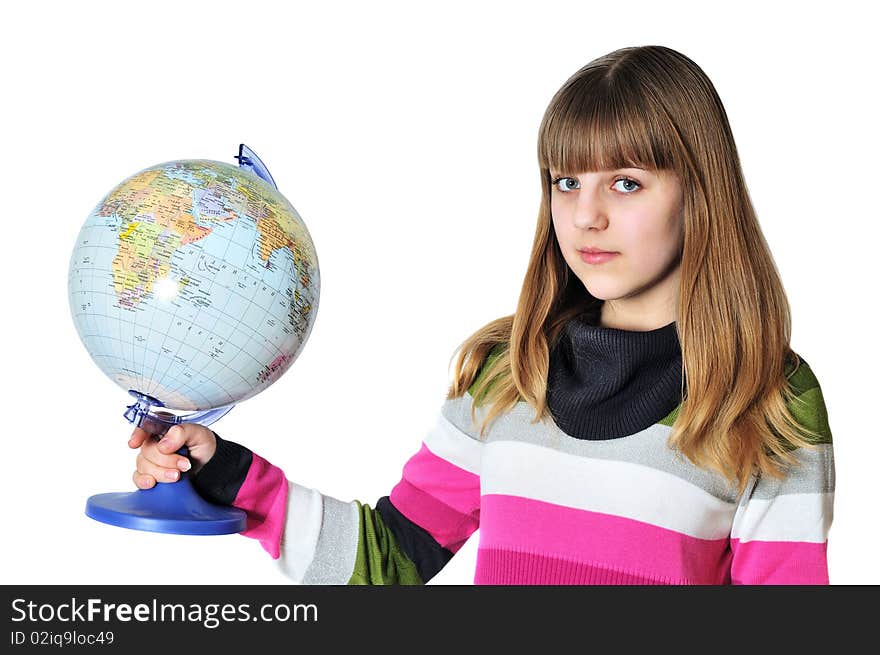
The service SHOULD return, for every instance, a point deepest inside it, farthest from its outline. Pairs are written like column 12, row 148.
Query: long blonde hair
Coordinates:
column 652, row 107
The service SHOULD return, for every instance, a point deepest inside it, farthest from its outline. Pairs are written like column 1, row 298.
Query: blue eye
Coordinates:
column 626, row 179
column 569, row 180
column 563, row 179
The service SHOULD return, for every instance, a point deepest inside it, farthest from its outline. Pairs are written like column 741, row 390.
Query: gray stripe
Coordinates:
column 646, row 447
column 458, row 412
column 815, row 474
column 336, row 549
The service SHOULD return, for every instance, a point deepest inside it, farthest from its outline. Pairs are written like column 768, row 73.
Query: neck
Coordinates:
column 634, row 320
column 647, row 309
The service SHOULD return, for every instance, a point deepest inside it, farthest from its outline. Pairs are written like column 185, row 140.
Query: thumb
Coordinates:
column 173, row 440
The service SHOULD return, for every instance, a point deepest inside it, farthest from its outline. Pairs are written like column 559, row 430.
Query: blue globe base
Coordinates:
column 169, row 507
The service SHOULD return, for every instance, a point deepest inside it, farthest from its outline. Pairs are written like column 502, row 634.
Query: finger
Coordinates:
column 138, row 437
column 143, row 481
column 159, row 473
column 156, row 458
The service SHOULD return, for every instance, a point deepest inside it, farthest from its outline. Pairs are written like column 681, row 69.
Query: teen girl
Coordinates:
column 640, row 419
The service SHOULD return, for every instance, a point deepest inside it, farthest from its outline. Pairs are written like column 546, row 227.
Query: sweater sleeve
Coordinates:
column 317, row 539
column 239, row 477
column 780, row 528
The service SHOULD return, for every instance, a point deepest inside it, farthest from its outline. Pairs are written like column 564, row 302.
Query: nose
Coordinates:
column 589, row 208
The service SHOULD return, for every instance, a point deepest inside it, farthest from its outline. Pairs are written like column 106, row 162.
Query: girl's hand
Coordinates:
column 158, row 461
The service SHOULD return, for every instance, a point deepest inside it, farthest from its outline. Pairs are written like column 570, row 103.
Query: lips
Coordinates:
column 595, row 251
column 597, row 256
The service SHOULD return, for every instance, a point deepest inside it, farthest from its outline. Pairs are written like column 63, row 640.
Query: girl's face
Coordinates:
column 638, row 215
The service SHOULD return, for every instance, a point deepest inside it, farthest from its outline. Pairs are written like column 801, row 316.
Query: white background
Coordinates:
column 405, row 136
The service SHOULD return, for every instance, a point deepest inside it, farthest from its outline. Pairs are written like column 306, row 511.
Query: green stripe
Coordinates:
column 808, row 405
column 494, row 354
column 380, row 561
column 809, row 410
column 670, row 418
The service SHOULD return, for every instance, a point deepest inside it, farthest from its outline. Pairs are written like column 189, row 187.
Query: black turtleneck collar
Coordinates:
column 606, row 383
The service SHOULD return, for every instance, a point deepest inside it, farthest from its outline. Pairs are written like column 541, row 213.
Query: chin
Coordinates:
column 607, row 292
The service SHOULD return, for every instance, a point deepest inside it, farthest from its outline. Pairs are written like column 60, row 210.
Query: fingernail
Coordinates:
column 171, row 475
column 183, row 464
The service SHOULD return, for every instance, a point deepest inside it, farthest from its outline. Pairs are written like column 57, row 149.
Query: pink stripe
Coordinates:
column 779, row 562
column 496, row 566
column 440, row 497
column 592, row 539
column 264, row 497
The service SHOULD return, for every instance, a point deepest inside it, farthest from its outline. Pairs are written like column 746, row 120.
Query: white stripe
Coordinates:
column 788, row 517
column 447, row 441
column 302, row 525
column 608, row 486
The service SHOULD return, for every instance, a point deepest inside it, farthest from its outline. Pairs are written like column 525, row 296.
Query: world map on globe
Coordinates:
column 195, row 282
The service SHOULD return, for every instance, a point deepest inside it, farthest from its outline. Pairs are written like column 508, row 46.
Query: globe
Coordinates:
column 193, row 285
column 194, row 282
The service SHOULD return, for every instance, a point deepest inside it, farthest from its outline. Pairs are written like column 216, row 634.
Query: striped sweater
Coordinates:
column 551, row 508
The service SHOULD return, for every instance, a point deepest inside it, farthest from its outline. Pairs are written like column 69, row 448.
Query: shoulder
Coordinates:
column 807, row 404
column 486, row 365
